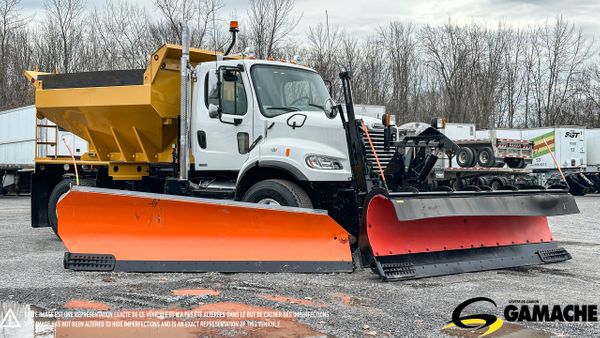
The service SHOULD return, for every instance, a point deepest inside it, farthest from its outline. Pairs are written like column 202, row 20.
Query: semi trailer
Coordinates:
column 217, row 162
column 485, row 161
column 21, row 137
column 559, row 157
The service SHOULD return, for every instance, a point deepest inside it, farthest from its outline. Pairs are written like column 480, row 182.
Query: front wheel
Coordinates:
column 59, row 190
column 278, row 192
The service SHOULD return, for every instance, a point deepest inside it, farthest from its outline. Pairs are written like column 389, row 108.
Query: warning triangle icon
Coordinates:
column 10, row 320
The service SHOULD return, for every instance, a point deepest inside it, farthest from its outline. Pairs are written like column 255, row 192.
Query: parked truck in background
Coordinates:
column 592, row 148
column 567, row 143
column 369, row 110
column 20, row 131
column 485, row 161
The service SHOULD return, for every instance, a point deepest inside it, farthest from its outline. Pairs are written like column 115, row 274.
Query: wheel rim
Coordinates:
column 269, row 201
column 462, row 157
column 483, row 157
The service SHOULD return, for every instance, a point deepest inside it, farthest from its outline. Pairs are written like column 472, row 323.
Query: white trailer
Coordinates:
column 455, row 131
column 369, row 110
column 493, row 174
column 19, row 131
column 566, row 142
column 506, row 133
column 592, row 149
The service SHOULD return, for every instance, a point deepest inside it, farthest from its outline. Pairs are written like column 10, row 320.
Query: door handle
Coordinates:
column 201, row 134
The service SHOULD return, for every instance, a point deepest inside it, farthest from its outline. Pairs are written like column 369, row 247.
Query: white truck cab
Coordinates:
column 272, row 113
column 263, row 119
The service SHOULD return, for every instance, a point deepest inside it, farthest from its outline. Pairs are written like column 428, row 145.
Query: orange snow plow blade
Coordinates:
column 110, row 230
column 422, row 235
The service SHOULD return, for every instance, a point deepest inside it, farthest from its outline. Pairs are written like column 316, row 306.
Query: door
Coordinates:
column 221, row 142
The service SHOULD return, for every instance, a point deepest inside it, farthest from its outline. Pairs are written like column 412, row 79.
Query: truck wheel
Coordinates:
column 278, row 192
column 465, row 157
column 60, row 189
column 515, row 163
column 485, row 157
column 496, row 183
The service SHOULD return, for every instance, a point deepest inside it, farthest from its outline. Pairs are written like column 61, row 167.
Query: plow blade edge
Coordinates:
column 421, row 235
column 111, row 230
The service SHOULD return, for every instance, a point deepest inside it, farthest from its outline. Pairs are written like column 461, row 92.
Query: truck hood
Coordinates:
column 293, row 136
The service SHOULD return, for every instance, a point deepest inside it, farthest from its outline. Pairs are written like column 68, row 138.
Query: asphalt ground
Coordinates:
column 36, row 288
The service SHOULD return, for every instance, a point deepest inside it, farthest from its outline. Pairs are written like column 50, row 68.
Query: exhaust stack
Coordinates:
column 184, row 117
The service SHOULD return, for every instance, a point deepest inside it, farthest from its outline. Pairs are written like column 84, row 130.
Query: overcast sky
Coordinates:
column 361, row 17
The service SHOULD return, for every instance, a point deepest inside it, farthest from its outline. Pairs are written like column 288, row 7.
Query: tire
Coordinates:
column 515, row 163
column 465, row 157
column 284, row 193
column 60, row 189
column 496, row 183
column 485, row 157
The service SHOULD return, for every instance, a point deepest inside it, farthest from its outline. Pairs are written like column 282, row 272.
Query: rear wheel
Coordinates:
column 485, row 157
column 278, row 192
column 517, row 163
column 496, row 183
column 465, row 157
column 59, row 190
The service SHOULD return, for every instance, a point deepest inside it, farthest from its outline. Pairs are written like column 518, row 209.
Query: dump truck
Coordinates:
column 217, row 162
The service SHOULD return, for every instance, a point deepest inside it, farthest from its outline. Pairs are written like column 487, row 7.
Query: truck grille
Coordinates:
column 384, row 156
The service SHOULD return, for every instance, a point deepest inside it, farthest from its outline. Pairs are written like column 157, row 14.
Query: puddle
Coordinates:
column 216, row 319
column 507, row 330
column 86, row 305
column 195, row 292
column 350, row 300
column 19, row 320
column 291, row 300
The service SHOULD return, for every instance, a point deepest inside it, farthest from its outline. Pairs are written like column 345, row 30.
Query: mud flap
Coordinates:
column 112, row 230
column 421, row 235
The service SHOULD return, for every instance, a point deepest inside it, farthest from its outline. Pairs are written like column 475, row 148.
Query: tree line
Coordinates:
column 499, row 76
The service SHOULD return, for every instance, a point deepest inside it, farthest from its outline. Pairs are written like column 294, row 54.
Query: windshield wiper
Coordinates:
column 283, row 108
column 316, row 106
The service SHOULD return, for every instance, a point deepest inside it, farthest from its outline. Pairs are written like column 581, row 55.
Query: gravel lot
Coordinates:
column 356, row 304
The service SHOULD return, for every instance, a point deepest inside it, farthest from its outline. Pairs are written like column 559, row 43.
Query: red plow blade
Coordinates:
column 408, row 236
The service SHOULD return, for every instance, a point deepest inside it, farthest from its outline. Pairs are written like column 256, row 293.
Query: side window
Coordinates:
column 234, row 94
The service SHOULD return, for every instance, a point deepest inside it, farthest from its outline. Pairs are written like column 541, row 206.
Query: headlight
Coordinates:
column 323, row 162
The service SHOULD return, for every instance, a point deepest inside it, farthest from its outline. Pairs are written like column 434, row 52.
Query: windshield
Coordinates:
column 283, row 89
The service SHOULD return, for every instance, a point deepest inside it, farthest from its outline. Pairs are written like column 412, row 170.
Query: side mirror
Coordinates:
column 213, row 111
column 329, row 86
column 330, row 108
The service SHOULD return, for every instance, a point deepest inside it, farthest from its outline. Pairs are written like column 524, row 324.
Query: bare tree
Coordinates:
column 324, row 48
column 269, row 22
column 65, row 17
column 401, row 48
column 10, row 23
column 123, row 35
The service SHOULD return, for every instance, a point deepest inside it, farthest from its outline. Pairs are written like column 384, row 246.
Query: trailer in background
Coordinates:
column 455, row 131
column 567, row 143
column 592, row 148
column 22, row 136
column 369, row 110
column 491, row 173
